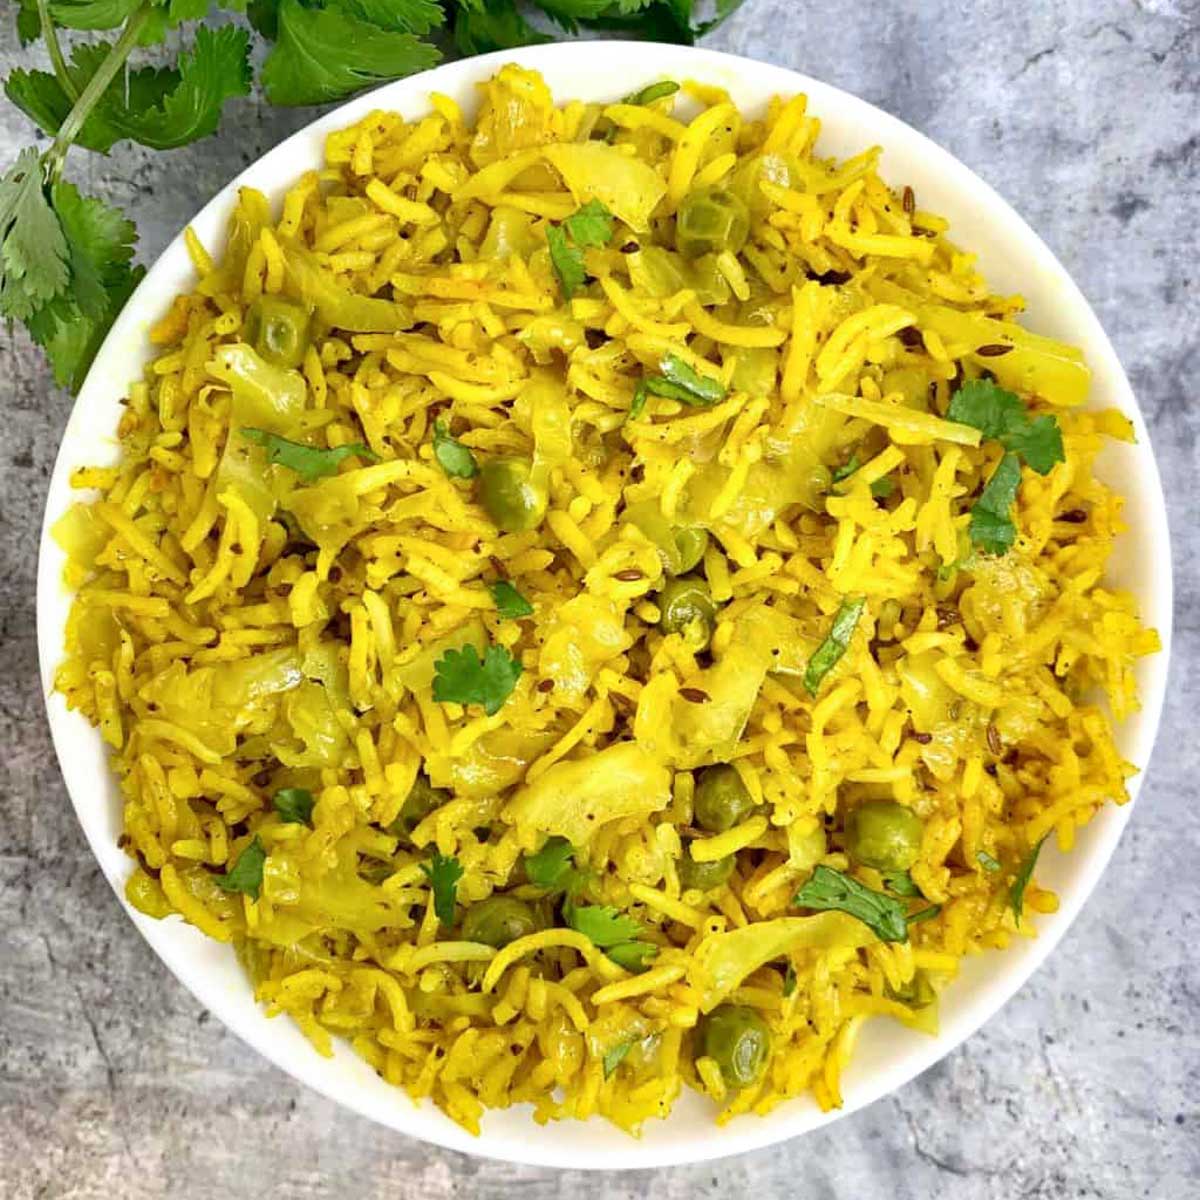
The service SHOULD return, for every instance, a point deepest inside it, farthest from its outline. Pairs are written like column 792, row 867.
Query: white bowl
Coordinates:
column 888, row 1055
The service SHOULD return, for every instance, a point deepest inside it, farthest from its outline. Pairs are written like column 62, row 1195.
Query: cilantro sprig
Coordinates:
column 1016, row 893
column 510, row 604
column 611, row 931
column 453, row 457
column 828, row 889
column 246, row 874
column 66, row 260
column 294, row 805
column 462, row 677
column 309, row 462
column 588, row 227
column 835, row 643
column 1002, row 416
column 443, row 872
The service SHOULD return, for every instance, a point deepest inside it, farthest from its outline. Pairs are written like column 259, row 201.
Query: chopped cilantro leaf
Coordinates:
column 681, row 382
column 1001, row 416
column 591, row 225
column 462, row 677
column 845, row 470
column 900, row 883
column 826, row 656
column 567, row 261
column 654, row 91
column 926, row 914
column 551, row 867
column 881, row 489
column 828, row 889
column 454, row 458
column 633, row 956
column 1024, row 874
column 992, row 528
column 615, row 1056
column 510, row 604
column 789, row 980
column 638, row 405
column 603, row 924
column 309, row 462
column 294, row 805
column 443, row 874
column 246, row 874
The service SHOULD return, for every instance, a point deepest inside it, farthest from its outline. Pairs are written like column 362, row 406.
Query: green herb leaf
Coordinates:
column 92, row 14
column 992, row 528
column 29, row 26
column 638, row 405
column 246, row 874
column 493, row 25
column 309, row 462
column 926, row 914
column 828, row 889
column 986, row 861
column 827, row 655
column 615, row 1056
column 603, row 924
column 510, row 604
column 633, row 956
column 462, row 677
column 455, row 459
column 881, row 489
column 294, row 805
column 329, row 53
column 552, row 866
column 900, row 883
column 842, row 473
column 591, row 225
column 1016, row 893
column 407, row 16
column 443, row 874
column 652, row 92
column 567, row 261
column 679, row 381
column 789, row 980
column 34, row 256
column 159, row 107
column 1002, row 416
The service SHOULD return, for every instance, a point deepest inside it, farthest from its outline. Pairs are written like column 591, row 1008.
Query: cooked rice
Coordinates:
column 226, row 651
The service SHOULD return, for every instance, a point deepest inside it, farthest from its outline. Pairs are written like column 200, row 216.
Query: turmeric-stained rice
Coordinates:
column 598, row 600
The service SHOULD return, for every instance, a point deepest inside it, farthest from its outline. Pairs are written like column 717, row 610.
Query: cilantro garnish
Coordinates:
column 443, row 874
column 309, row 462
column 294, row 805
column 681, row 382
column 900, row 883
column 1016, row 893
column 589, row 226
column 1001, row 416
column 615, row 1056
column 611, row 931
column 246, row 874
column 845, row 470
column 462, row 677
column 826, row 656
column 551, row 867
column 789, row 980
column 992, row 528
column 828, row 889
column 455, row 459
column 652, row 92
column 510, row 604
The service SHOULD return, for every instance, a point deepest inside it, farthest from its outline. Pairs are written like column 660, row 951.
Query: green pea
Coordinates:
column 704, row 876
column 710, row 220
column 691, row 542
column 511, row 498
column 498, row 920
column 421, row 800
column 687, row 607
column 916, row 993
column 884, row 835
column 278, row 330
column 721, row 799
column 739, row 1041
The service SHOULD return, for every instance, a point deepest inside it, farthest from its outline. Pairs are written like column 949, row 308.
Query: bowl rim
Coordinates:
column 167, row 938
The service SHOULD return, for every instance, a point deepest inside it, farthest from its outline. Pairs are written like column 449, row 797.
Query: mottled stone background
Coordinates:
column 114, row 1083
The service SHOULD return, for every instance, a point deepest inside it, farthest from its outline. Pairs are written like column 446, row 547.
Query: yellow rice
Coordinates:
column 224, row 658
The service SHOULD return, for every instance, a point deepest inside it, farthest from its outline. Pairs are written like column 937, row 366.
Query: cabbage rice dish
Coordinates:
column 600, row 599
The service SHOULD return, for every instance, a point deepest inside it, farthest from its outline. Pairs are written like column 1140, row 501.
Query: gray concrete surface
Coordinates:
column 114, row 1083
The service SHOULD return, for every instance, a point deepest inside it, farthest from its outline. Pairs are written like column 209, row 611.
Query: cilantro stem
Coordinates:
column 57, row 61
column 95, row 89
